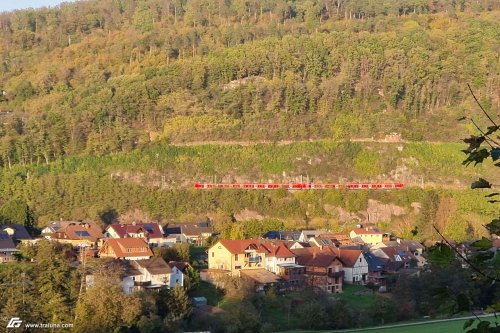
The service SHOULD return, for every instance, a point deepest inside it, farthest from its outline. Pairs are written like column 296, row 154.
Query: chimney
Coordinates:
column 133, row 223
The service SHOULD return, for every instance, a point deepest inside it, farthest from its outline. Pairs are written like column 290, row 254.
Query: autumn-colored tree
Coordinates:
column 103, row 307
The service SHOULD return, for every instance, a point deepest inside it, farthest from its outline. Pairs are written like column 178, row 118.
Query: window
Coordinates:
column 176, row 280
column 236, row 257
column 360, row 260
column 129, row 250
column 213, row 254
column 237, row 267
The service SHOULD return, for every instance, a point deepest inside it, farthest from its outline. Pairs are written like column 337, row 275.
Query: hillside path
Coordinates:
column 282, row 142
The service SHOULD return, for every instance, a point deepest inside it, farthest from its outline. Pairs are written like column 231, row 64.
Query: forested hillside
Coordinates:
column 96, row 77
column 94, row 93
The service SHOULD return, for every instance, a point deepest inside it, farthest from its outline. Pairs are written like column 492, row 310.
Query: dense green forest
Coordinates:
column 158, row 182
column 95, row 77
column 95, row 92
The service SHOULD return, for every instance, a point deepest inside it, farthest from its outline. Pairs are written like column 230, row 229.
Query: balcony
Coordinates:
column 339, row 274
column 253, row 260
column 142, row 283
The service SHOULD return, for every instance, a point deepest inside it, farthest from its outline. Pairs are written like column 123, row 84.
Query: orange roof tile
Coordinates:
column 277, row 249
column 272, row 249
column 347, row 256
column 138, row 247
column 240, row 245
column 367, row 231
column 79, row 232
column 315, row 256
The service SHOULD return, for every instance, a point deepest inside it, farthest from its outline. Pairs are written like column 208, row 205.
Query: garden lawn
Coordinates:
column 356, row 297
column 208, row 290
column 451, row 326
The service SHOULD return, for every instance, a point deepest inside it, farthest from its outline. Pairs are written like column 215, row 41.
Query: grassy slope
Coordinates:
column 325, row 161
column 452, row 326
column 355, row 297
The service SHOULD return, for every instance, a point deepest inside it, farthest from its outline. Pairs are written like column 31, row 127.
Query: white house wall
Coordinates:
column 358, row 270
column 177, row 278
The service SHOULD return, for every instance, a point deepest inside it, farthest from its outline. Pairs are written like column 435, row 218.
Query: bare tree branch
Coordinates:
column 486, row 113
column 474, row 268
column 486, row 137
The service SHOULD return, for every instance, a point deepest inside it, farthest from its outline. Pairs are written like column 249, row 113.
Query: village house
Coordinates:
column 190, row 233
column 354, row 265
column 145, row 274
column 238, row 255
column 125, row 248
column 369, row 236
column 7, row 250
column 332, row 240
column 181, row 266
column 297, row 245
column 260, row 278
column 17, row 232
column 80, row 235
column 323, row 269
column 53, row 226
column 152, row 273
column 412, row 246
column 397, row 257
column 306, row 235
column 376, row 270
column 152, row 233
column 288, row 235
column 393, row 262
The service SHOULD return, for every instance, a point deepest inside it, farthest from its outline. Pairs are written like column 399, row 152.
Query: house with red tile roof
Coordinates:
column 396, row 258
column 416, row 248
column 332, row 240
column 77, row 234
column 152, row 233
column 323, row 269
column 369, row 236
column 237, row 255
column 354, row 264
column 126, row 248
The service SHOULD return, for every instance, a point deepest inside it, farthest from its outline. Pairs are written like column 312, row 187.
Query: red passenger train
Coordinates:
column 301, row 186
